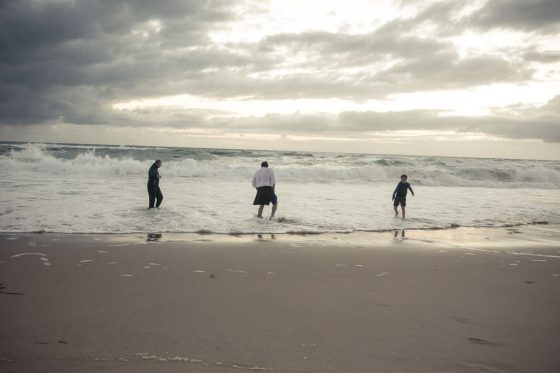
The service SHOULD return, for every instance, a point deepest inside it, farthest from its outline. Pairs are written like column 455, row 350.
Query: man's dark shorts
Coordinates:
column 401, row 201
column 264, row 195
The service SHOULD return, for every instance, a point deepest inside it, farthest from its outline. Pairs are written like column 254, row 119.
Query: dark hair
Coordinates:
column 404, row 175
column 158, row 160
column 264, row 164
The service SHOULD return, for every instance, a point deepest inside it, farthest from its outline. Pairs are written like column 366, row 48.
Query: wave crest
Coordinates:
column 41, row 160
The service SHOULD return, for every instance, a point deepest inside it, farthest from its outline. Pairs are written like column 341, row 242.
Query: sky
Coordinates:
column 454, row 78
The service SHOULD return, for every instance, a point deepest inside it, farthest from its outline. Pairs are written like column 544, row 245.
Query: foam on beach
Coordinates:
column 190, row 360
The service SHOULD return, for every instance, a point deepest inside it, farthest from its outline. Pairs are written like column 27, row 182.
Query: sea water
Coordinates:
column 102, row 189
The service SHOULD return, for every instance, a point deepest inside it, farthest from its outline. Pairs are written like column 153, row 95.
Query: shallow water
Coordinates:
column 85, row 189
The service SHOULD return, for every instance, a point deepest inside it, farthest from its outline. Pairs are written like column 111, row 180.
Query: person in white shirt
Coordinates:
column 264, row 181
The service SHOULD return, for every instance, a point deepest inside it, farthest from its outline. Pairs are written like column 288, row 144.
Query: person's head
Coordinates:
column 404, row 177
column 158, row 163
column 264, row 164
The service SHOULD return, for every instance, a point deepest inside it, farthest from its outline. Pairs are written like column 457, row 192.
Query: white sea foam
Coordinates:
column 28, row 254
column 84, row 189
column 94, row 162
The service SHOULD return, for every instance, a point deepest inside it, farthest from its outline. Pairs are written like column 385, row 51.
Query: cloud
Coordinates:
column 528, row 15
column 66, row 54
column 456, row 16
column 544, row 57
column 541, row 123
column 70, row 61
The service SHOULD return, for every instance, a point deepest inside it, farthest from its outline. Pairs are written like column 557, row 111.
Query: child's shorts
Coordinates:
column 401, row 201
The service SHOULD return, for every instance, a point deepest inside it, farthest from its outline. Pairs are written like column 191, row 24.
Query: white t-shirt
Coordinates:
column 264, row 177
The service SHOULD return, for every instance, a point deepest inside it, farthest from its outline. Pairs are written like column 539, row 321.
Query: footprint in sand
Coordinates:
column 236, row 271
column 480, row 341
column 26, row 254
column 43, row 257
column 150, row 265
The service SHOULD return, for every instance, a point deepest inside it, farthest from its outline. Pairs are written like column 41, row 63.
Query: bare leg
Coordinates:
column 396, row 211
column 274, row 207
column 259, row 214
column 403, row 212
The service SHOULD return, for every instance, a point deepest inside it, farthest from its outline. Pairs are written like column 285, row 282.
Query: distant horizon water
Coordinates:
column 84, row 188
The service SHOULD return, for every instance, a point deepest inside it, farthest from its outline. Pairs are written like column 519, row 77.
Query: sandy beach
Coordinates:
column 460, row 300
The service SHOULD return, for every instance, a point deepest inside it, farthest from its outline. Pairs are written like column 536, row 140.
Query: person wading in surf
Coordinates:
column 153, row 185
column 264, row 181
column 399, row 195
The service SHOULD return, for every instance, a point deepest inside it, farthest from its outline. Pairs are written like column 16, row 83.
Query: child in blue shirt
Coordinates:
column 399, row 195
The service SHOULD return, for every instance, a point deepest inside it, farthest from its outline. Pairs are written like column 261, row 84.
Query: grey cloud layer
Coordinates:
column 70, row 61
column 539, row 123
column 542, row 15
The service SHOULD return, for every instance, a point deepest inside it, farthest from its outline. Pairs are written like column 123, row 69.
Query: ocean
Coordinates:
column 72, row 188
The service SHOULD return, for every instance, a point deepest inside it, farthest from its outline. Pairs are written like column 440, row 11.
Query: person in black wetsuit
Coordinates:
column 399, row 195
column 153, row 185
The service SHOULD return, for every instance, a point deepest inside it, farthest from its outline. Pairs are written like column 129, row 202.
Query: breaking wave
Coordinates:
column 105, row 161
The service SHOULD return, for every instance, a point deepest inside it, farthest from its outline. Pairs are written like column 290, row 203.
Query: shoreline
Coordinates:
column 536, row 234
column 460, row 300
column 304, row 233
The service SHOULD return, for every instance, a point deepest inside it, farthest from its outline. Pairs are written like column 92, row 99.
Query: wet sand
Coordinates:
column 463, row 300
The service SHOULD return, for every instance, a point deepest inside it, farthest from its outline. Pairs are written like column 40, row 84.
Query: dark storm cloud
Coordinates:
column 60, row 56
column 527, row 15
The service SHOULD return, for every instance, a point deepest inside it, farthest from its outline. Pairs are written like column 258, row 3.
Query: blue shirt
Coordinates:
column 401, row 190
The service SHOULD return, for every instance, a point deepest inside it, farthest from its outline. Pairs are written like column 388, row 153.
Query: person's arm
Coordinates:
column 272, row 178
column 410, row 188
column 395, row 193
column 254, row 182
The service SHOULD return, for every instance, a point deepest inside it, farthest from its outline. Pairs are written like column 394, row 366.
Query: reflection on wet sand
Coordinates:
column 264, row 236
column 153, row 237
column 402, row 232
